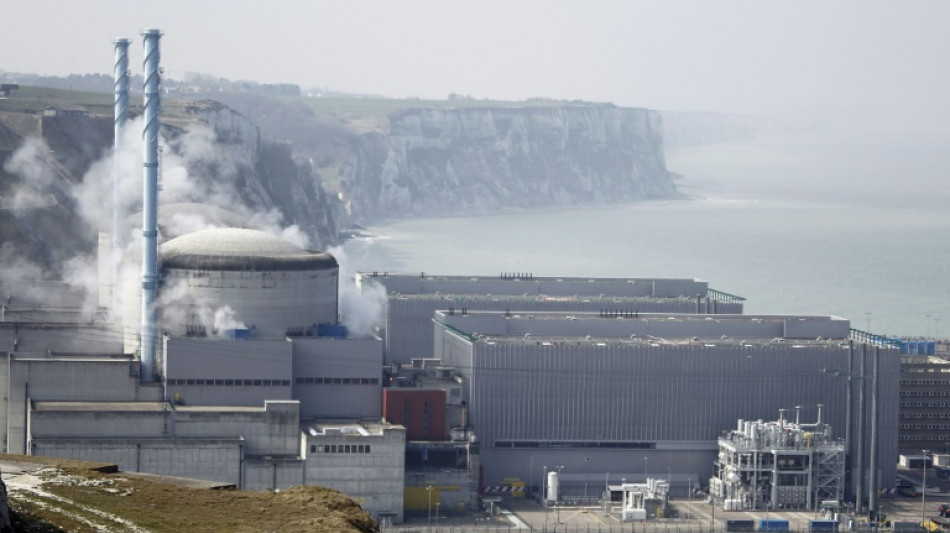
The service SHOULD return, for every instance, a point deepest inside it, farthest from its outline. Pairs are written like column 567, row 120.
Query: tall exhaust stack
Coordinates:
column 121, row 116
column 150, row 201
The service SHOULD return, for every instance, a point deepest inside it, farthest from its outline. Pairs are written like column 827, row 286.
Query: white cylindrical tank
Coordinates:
column 552, row 486
column 222, row 279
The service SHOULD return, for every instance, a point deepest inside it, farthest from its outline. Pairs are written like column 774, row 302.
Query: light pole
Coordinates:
column 531, row 476
column 429, row 520
column 867, row 317
column 437, row 516
column 936, row 327
column 646, row 469
column 923, row 491
column 928, row 317
column 560, row 482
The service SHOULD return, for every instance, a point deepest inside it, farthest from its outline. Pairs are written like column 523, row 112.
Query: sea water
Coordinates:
column 856, row 226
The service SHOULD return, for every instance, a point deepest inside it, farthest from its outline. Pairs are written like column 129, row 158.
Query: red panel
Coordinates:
column 421, row 411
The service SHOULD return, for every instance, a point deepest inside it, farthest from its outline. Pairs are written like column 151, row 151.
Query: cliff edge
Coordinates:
column 437, row 161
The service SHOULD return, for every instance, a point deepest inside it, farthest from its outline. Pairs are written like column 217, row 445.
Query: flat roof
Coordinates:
column 101, row 406
column 547, row 327
column 517, row 277
column 363, row 428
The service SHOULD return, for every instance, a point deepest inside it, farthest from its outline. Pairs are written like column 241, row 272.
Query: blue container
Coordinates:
column 904, row 346
column 335, row 331
column 921, row 347
column 822, row 525
column 239, row 333
column 912, row 347
column 773, row 524
column 931, row 347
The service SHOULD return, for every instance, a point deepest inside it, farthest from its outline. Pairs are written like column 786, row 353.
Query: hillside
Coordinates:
column 320, row 163
column 61, row 495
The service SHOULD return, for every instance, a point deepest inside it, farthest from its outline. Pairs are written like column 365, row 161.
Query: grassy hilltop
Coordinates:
column 53, row 495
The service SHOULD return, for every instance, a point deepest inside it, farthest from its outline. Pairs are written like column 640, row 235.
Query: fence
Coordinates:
column 629, row 527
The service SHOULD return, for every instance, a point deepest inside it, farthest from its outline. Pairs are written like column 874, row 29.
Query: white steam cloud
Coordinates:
column 31, row 162
column 361, row 309
column 194, row 167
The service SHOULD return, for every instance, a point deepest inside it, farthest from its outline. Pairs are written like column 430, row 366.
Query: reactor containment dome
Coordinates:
column 267, row 287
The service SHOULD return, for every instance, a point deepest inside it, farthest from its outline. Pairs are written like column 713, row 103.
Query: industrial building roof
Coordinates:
column 558, row 328
column 240, row 249
column 101, row 406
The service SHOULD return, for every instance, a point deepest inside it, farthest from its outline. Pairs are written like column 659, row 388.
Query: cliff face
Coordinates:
column 478, row 159
column 267, row 177
column 228, row 165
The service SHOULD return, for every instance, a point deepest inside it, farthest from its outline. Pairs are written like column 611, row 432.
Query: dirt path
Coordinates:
column 28, row 485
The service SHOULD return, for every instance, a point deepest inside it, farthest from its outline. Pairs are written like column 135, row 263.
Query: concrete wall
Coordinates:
column 42, row 378
column 267, row 473
column 227, row 372
column 208, row 459
column 271, row 301
column 275, row 430
column 59, row 339
column 338, row 377
column 374, row 480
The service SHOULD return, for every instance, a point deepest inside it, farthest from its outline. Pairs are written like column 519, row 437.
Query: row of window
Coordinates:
column 339, row 448
column 231, row 382
column 942, row 414
column 925, row 382
column 942, row 438
column 924, row 426
column 338, row 381
column 925, row 404
column 925, row 393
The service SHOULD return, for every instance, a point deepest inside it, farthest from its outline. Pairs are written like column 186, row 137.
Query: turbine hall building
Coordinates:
column 637, row 395
column 411, row 300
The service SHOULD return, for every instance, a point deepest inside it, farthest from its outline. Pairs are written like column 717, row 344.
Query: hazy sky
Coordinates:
column 764, row 57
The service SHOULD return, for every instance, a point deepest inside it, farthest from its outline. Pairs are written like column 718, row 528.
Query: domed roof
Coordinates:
column 240, row 249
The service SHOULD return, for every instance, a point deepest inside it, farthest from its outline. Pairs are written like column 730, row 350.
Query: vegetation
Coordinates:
column 73, row 497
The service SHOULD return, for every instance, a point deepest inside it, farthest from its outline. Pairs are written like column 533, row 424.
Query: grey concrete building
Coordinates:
column 364, row 459
column 924, row 404
column 635, row 395
column 252, row 359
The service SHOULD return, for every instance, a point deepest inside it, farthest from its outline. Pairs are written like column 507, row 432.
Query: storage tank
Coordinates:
column 221, row 279
column 552, row 486
column 931, row 347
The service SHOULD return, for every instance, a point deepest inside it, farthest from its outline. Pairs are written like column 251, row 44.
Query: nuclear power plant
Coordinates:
column 234, row 367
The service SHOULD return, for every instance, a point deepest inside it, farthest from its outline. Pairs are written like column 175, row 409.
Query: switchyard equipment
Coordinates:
column 643, row 500
column 778, row 465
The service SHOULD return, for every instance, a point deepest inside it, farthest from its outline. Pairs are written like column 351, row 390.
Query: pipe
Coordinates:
column 121, row 116
column 150, row 199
